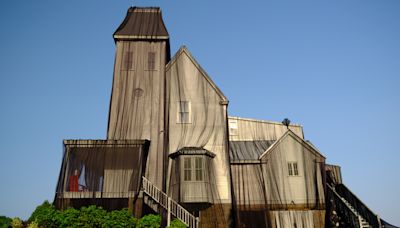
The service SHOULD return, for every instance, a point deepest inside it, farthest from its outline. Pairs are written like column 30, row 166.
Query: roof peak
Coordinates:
column 142, row 23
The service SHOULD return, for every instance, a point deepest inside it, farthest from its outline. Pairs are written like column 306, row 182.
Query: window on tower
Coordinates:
column 151, row 61
column 128, row 61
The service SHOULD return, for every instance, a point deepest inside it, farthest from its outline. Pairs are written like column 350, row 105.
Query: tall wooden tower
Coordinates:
column 137, row 106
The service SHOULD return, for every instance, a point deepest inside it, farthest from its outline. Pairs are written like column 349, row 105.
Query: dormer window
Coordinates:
column 184, row 112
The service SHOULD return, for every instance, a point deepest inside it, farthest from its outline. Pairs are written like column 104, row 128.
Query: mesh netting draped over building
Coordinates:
column 277, row 177
column 170, row 142
column 104, row 172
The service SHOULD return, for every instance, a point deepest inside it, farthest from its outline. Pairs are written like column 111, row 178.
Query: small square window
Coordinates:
column 128, row 61
column 184, row 112
column 293, row 169
column 151, row 61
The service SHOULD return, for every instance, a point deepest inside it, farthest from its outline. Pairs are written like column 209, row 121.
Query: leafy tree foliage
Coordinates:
column 176, row 223
column 46, row 215
column 5, row 222
column 149, row 221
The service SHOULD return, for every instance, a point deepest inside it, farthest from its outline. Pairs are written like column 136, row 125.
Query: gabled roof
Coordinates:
column 184, row 50
column 142, row 23
column 248, row 150
column 288, row 133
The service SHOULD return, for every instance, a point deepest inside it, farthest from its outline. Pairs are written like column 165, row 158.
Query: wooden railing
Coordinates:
column 358, row 205
column 170, row 205
column 352, row 218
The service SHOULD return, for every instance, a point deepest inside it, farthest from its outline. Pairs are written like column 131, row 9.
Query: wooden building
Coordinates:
column 172, row 149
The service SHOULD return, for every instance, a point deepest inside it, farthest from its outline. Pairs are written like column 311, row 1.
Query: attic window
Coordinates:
column 233, row 127
column 128, row 61
column 151, row 61
column 293, row 169
column 184, row 114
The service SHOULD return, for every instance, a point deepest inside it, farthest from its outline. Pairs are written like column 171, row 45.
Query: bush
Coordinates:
column 33, row 225
column 149, row 221
column 45, row 215
column 176, row 223
column 5, row 222
column 119, row 219
column 16, row 223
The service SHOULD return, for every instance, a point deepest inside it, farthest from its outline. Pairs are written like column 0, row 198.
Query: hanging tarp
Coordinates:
column 197, row 118
column 96, row 171
column 280, row 184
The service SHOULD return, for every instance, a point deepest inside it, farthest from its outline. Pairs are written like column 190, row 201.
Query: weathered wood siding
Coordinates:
column 251, row 129
column 137, row 100
column 306, row 190
column 207, row 127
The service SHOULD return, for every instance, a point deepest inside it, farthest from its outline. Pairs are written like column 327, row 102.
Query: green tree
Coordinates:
column 45, row 215
column 5, row 222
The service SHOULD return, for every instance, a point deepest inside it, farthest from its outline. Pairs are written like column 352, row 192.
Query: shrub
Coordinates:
column 176, row 223
column 33, row 225
column 152, row 221
column 91, row 216
column 69, row 218
column 16, row 223
column 119, row 219
column 5, row 222
column 45, row 215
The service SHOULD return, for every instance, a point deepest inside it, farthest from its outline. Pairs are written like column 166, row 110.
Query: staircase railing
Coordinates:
column 353, row 219
column 170, row 205
column 358, row 205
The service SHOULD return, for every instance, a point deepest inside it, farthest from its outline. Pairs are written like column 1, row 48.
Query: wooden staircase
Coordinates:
column 363, row 223
column 158, row 200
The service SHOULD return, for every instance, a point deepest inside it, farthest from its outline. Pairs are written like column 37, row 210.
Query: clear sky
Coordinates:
column 331, row 66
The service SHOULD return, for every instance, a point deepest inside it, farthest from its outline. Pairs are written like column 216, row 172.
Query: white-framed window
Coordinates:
column 193, row 168
column 233, row 127
column 187, row 169
column 293, row 169
column 127, row 62
column 184, row 112
column 151, row 61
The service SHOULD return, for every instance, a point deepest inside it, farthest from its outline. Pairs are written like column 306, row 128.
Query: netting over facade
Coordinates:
column 277, row 177
column 103, row 172
column 197, row 120
column 168, row 122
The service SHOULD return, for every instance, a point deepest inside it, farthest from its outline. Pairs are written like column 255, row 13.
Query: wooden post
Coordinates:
column 138, row 206
column 168, row 212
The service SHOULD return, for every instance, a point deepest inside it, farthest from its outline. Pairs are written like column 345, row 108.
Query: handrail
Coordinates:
column 364, row 211
column 355, row 220
column 169, row 204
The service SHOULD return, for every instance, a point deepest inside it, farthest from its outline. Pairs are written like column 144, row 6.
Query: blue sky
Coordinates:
column 331, row 66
